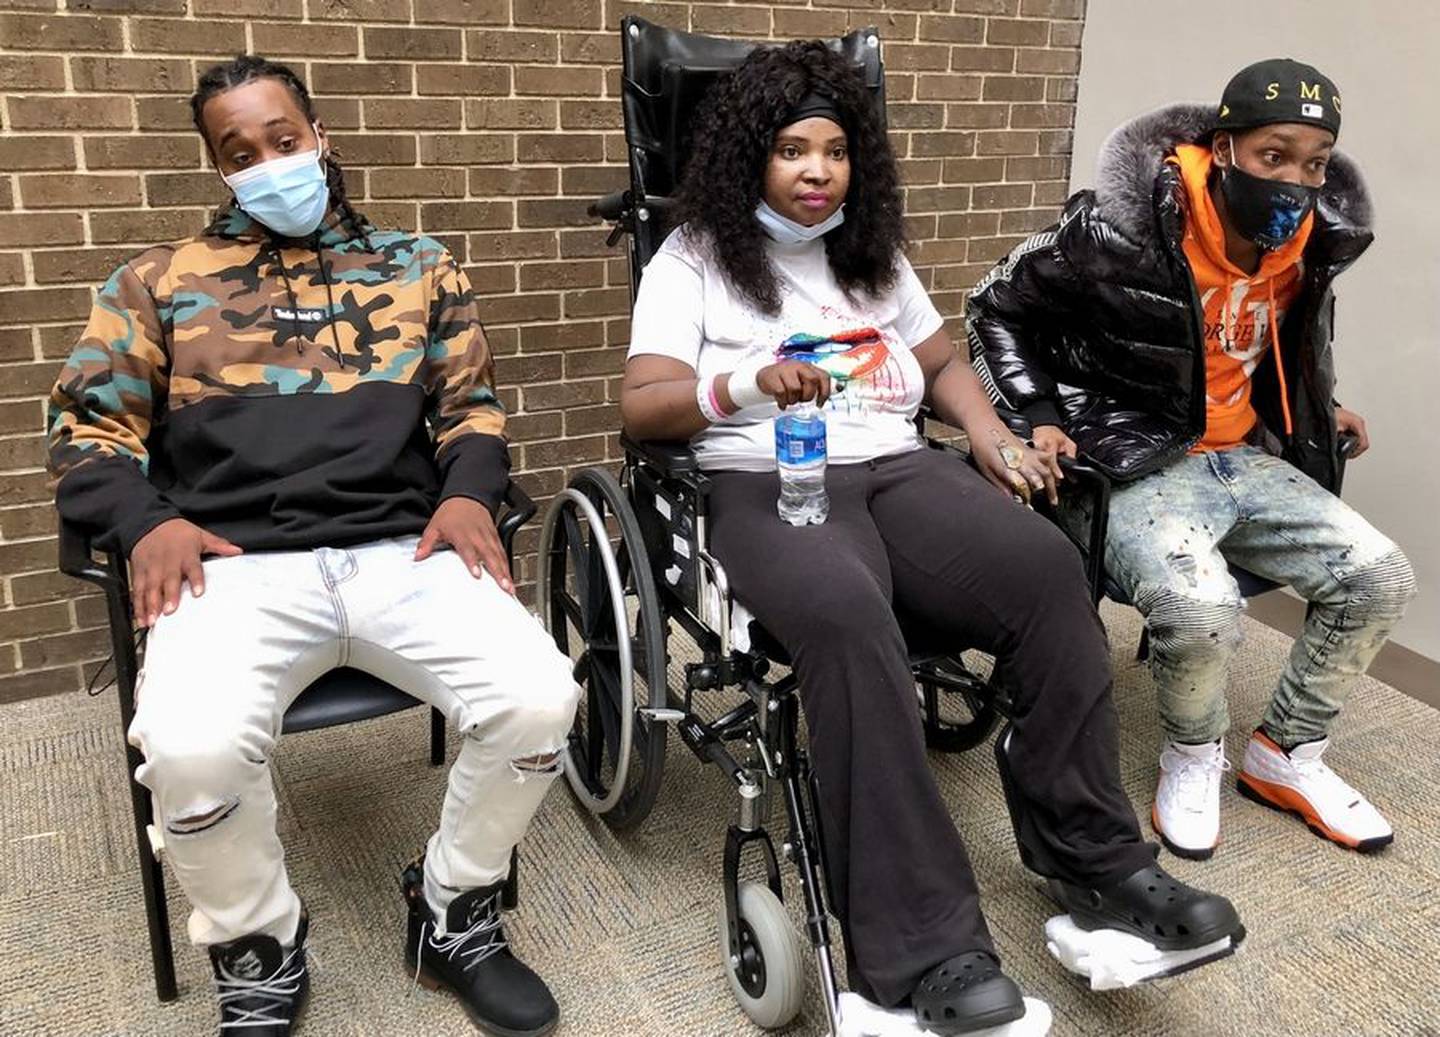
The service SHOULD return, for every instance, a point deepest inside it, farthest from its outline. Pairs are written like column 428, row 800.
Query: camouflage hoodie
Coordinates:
column 277, row 392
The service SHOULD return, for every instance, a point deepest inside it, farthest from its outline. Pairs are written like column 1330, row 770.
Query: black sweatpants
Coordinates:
column 923, row 533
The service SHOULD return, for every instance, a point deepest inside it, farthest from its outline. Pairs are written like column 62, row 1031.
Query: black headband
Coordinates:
column 815, row 106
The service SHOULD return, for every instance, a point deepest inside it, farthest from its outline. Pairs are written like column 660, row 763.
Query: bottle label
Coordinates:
column 799, row 441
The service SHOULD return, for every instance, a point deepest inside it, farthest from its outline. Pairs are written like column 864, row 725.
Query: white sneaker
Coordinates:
column 1186, row 814
column 1298, row 782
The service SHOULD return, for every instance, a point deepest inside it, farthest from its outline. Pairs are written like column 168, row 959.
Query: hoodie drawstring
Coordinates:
column 1225, row 302
column 1229, row 326
column 278, row 261
column 1270, row 319
column 330, row 300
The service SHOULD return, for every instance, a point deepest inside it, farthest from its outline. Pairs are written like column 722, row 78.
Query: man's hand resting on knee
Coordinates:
column 164, row 559
column 466, row 525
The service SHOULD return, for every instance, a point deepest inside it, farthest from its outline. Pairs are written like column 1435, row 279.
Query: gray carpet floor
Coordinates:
column 624, row 927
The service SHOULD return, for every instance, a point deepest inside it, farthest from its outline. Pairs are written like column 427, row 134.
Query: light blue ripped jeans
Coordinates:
column 1172, row 535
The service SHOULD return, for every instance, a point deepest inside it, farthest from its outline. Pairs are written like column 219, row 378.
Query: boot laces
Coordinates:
column 484, row 939
column 274, row 994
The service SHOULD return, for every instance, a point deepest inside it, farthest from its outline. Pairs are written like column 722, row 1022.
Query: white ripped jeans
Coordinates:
column 221, row 670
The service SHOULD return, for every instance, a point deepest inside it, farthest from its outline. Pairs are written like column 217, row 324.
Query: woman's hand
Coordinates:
column 1014, row 467
column 792, row 381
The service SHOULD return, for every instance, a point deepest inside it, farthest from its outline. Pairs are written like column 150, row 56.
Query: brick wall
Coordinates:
column 487, row 123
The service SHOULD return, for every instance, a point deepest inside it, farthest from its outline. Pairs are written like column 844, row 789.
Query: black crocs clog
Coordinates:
column 966, row 993
column 1155, row 906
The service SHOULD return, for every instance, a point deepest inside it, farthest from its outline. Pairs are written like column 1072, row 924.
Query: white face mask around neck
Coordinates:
column 787, row 232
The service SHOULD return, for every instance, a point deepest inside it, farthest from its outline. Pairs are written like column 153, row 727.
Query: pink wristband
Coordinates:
column 715, row 398
column 706, row 400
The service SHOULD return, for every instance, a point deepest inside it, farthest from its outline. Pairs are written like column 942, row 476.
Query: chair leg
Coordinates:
column 510, row 895
column 437, row 737
column 142, row 806
column 152, row 880
column 1143, row 652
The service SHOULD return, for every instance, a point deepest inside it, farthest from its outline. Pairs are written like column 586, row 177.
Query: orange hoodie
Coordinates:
column 1242, row 311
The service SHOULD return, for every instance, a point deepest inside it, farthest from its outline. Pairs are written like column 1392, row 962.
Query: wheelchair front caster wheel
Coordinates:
column 767, row 975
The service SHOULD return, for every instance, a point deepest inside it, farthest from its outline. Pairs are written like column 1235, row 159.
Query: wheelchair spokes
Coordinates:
column 598, row 601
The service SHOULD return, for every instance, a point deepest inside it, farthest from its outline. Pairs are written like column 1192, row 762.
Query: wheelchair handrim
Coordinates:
column 599, row 539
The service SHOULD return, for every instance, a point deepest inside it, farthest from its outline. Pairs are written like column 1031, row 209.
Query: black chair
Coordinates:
column 342, row 696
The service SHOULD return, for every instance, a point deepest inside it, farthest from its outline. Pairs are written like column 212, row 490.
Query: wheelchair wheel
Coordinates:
column 957, row 705
column 599, row 603
column 767, row 977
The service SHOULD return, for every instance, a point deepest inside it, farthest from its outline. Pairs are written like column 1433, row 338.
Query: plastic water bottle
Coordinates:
column 800, row 457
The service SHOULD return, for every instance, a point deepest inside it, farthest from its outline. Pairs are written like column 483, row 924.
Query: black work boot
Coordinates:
column 966, row 993
column 262, row 986
column 1155, row 906
column 501, row 994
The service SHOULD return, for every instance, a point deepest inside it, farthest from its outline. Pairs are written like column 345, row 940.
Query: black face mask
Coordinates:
column 1268, row 212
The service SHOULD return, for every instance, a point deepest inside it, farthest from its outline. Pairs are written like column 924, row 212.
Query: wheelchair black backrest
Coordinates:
column 666, row 74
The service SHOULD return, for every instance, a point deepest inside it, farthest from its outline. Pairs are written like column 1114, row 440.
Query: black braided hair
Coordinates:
column 246, row 68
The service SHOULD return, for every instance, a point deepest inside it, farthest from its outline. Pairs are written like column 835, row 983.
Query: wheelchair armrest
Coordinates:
column 1080, row 477
column 1345, row 445
column 1084, row 478
column 77, row 559
column 671, row 459
column 519, row 509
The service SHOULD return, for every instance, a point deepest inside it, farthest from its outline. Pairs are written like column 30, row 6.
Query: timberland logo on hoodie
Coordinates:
column 298, row 316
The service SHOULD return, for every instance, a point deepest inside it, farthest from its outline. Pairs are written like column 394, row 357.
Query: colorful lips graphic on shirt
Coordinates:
column 845, row 356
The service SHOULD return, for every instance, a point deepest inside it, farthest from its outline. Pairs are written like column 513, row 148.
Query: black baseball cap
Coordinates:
column 1279, row 90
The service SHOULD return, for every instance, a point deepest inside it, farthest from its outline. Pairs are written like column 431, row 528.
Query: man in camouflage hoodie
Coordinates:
column 280, row 422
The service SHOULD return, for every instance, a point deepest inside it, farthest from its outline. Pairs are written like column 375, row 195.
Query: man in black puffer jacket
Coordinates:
column 1174, row 327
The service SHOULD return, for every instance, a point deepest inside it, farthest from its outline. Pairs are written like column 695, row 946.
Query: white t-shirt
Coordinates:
column 687, row 310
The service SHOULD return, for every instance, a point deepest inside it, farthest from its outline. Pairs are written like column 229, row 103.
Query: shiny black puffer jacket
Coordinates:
column 1095, row 325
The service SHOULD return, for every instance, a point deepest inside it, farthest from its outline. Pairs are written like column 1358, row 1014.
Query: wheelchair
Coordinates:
column 624, row 564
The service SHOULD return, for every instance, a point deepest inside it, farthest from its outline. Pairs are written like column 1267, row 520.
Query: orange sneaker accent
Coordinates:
column 1264, row 739
column 1284, row 798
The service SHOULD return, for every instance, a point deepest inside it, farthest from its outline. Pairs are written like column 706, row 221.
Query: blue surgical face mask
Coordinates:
column 289, row 195
column 788, row 232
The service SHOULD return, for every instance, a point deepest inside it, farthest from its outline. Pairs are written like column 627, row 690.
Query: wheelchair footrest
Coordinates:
column 1110, row 959
column 860, row 1018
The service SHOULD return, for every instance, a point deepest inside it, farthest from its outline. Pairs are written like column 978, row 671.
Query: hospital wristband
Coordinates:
column 708, row 402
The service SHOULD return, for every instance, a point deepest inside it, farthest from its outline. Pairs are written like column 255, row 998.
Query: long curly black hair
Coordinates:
column 724, row 179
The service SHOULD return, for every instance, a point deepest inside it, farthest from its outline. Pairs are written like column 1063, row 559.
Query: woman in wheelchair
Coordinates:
column 790, row 222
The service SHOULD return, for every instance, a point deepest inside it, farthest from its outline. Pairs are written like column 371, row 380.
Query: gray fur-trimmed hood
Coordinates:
column 1131, row 157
